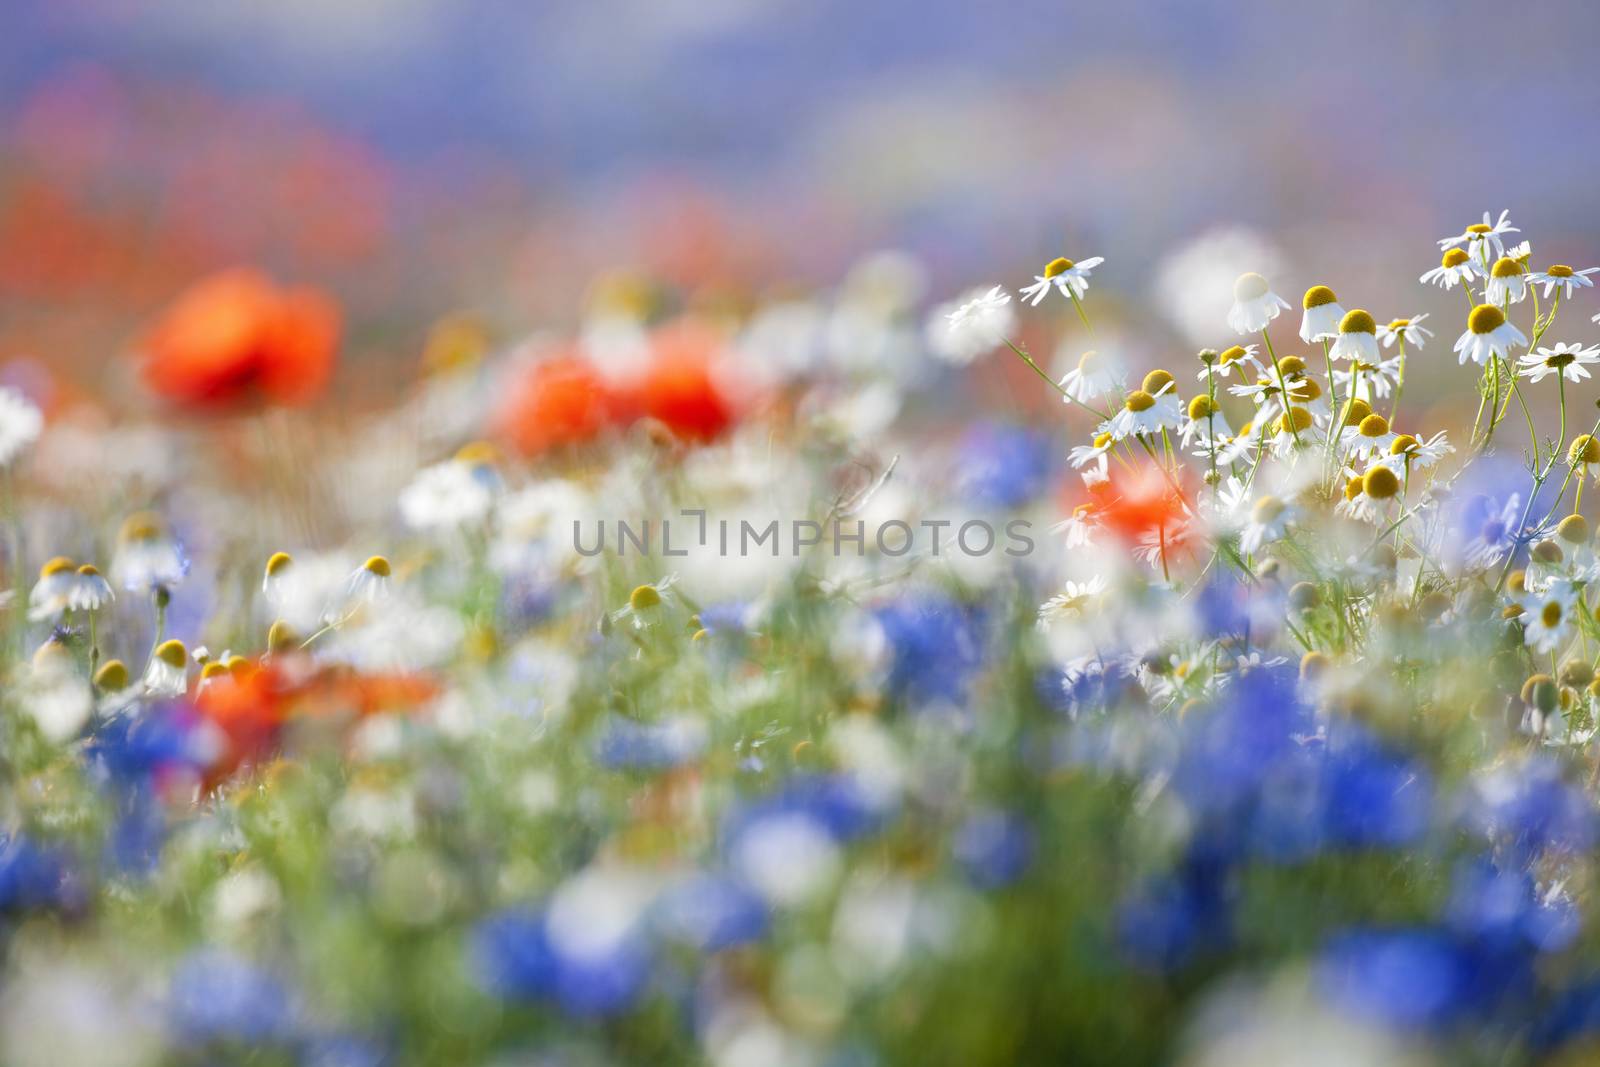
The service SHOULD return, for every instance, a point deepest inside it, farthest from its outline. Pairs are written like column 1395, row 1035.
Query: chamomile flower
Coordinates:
column 1205, row 419
column 1071, row 601
column 1092, row 455
column 1481, row 235
column 452, row 495
column 1240, row 357
column 645, row 604
column 279, row 566
column 1269, row 521
column 1354, row 503
column 1411, row 453
column 1455, row 268
column 961, row 331
column 1508, row 283
column 1488, row 334
column 1567, row 360
column 1321, row 314
column 1145, row 413
column 1370, row 437
column 1063, row 275
column 1077, row 529
column 20, row 424
column 52, row 593
column 1242, row 445
column 167, row 676
column 1562, row 277
column 90, row 590
column 1409, row 332
column 1255, row 305
column 371, row 582
column 1550, row 616
column 1095, row 375
column 1357, row 339
column 1368, row 380
column 148, row 557
column 1288, row 430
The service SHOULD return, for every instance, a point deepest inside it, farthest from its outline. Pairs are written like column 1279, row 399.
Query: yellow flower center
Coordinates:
column 644, row 598
column 1059, row 265
column 1485, row 318
column 1453, row 258
column 1374, row 426
column 1380, row 483
column 1402, row 444
column 112, row 676
column 1139, row 400
column 1201, row 407
column 55, row 566
column 1156, row 381
column 1304, row 391
column 1352, row 488
column 1088, row 361
column 1505, row 267
column 1294, row 420
column 1102, row 440
column 1230, row 355
column 1399, row 324
column 1560, row 270
column 1267, row 509
column 1550, row 614
column 1559, row 359
column 1250, row 286
column 143, row 526
column 172, row 653
column 89, row 570
column 1354, row 411
column 377, row 565
column 277, row 563
column 1318, row 295
column 1289, row 366
column 213, row 670
column 478, row 454
column 1585, row 449
column 1479, row 227
column 1358, row 321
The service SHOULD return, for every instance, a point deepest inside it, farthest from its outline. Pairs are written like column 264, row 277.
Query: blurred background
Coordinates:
column 418, row 158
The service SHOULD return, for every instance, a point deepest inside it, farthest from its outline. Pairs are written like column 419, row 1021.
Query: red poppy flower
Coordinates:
column 237, row 337
column 681, row 388
column 559, row 401
column 1136, row 503
column 248, row 709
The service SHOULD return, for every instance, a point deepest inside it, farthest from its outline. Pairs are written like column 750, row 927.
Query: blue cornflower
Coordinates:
column 625, row 744
column 710, row 913
column 1003, row 467
column 515, row 958
column 936, row 646
column 217, row 996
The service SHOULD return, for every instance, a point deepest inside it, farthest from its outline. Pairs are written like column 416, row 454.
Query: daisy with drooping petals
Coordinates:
column 1508, row 283
column 1071, row 601
column 371, row 582
column 90, row 590
column 1488, row 334
column 148, row 556
column 1094, row 376
column 1063, row 275
column 279, row 565
column 1321, row 315
column 961, row 331
column 1254, row 304
column 52, row 593
column 1092, row 454
column 1455, row 268
column 1560, row 276
column 1358, row 337
column 167, row 676
column 1481, row 234
column 1409, row 453
column 1408, row 332
column 1368, row 380
column 1567, row 360
column 1205, row 420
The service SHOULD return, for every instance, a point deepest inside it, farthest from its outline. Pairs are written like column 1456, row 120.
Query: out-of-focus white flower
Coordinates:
column 1070, row 279
column 1255, row 305
column 51, row 595
column 1406, row 331
column 1488, row 334
column 90, row 590
column 55, row 695
column 1550, row 617
column 1095, row 375
column 370, row 583
column 20, row 425
column 448, row 496
column 961, row 331
column 1071, row 602
column 167, row 676
column 148, row 557
column 1269, row 520
column 61, row 1008
column 1194, row 284
column 789, row 858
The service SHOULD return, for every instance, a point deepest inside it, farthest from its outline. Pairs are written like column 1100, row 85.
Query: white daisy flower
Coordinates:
column 1321, row 314
column 167, row 675
column 1240, row 446
column 371, row 582
column 962, row 330
column 1095, row 375
column 1205, row 419
column 1356, row 504
column 1549, row 619
column 1408, row 332
column 1567, row 360
column 1092, row 455
column 148, row 557
column 1269, row 521
column 449, row 496
column 1368, row 380
column 1455, row 268
column 279, row 564
column 1508, row 283
column 90, row 590
column 1370, row 437
column 1254, row 304
column 1240, row 357
column 52, row 593
column 1077, row 529
column 1560, row 276
column 1481, row 234
column 1357, row 339
column 20, row 424
column 643, row 608
column 1071, row 601
column 1488, row 334
column 1408, row 452
column 1142, row 413
column 1063, row 275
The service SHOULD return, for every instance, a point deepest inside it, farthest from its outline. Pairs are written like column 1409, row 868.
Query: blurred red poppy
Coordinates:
column 1142, row 501
column 237, row 337
column 562, row 400
column 680, row 386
